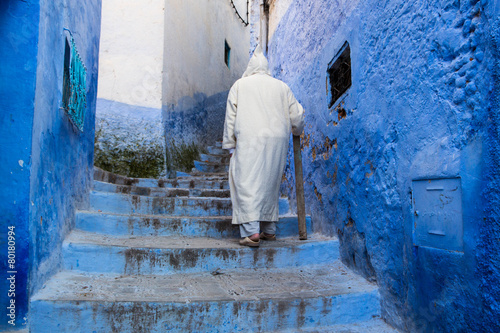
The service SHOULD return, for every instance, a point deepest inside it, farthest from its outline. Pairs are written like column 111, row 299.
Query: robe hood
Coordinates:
column 258, row 64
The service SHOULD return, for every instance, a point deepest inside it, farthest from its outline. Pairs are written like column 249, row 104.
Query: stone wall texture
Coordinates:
column 62, row 156
column 19, row 40
column 423, row 104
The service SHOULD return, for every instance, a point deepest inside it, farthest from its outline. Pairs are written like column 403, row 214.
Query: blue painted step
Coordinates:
column 214, row 158
column 244, row 300
column 173, row 226
column 218, row 151
column 92, row 252
column 160, row 191
column 185, row 206
column 210, row 167
column 200, row 181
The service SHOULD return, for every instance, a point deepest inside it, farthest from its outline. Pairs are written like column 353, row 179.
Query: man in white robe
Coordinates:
column 261, row 111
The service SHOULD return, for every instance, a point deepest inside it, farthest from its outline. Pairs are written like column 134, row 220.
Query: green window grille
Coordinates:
column 74, row 85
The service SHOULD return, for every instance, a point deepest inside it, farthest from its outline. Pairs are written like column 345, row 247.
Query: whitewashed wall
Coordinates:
column 129, row 131
column 131, row 52
column 194, row 48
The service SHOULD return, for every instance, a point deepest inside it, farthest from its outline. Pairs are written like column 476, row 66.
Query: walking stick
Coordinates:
column 299, row 187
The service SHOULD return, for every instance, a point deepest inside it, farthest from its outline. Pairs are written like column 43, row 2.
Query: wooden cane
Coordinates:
column 299, row 187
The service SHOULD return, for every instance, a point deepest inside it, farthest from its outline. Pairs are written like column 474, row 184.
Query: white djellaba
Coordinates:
column 261, row 112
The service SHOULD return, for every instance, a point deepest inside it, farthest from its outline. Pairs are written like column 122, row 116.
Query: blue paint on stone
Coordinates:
column 19, row 40
column 198, row 119
column 177, row 206
column 269, row 315
column 83, row 250
column 166, row 226
column 62, row 157
column 46, row 163
column 423, row 104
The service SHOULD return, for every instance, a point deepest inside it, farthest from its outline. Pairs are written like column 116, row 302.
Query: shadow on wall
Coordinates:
column 190, row 126
column 353, row 250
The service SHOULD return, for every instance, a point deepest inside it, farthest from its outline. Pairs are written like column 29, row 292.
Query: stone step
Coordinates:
column 218, row 151
column 179, row 206
column 210, row 167
column 374, row 325
column 214, row 158
column 213, row 181
column 244, row 300
column 160, row 191
column 91, row 252
column 173, row 226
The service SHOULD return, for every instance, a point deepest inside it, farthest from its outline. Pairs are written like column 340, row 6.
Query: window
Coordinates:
column 339, row 74
column 74, row 90
column 66, row 78
column 227, row 53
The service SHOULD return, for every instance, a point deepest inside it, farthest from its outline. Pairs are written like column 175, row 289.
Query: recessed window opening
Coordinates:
column 74, row 89
column 66, row 76
column 227, row 53
column 339, row 74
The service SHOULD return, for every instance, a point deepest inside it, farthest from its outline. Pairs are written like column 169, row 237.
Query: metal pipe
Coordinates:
column 299, row 188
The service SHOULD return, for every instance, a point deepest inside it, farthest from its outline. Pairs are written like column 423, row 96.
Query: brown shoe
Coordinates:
column 248, row 242
column 267, row 237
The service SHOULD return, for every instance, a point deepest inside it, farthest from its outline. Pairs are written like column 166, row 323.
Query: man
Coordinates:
column 261, row 111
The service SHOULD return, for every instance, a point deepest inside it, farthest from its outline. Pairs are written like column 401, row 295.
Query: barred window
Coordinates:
column 74, row 90
column 339, row 74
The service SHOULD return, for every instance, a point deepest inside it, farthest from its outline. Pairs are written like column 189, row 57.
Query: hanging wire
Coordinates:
column 239, row 16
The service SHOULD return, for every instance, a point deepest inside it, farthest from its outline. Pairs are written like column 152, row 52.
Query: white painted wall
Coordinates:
column 194, row 48
column 131, row 52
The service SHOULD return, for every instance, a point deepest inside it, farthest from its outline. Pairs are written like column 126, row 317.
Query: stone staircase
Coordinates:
column 161, row 255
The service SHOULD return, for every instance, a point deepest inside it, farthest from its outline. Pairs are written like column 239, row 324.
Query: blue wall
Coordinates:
column 421, row 106
column 45, row 164
column 198, row 119
column 62, row 156
column 18, row 40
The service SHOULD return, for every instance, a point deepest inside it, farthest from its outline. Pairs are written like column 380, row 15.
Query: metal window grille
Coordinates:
column 339, row 74
column 74, row 100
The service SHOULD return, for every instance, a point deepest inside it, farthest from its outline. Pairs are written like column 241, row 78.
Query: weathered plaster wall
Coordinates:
column 129, row 131
column 489, row 250
column 62, row 156
column 196, row 78
column 420, row 107
column 131, row 52
column 194, row 50
column 277, row 9
column 129, row 139
column 19, row 39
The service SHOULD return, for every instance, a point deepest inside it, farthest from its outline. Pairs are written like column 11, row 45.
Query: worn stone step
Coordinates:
column 218, row 151
column 173, row 226
column 92, row 252
column 245, row 300
column 184, row 206
column 374, row 325
column 210, row 167
column 211, row 181
column 160, row 191
column 214, row 158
